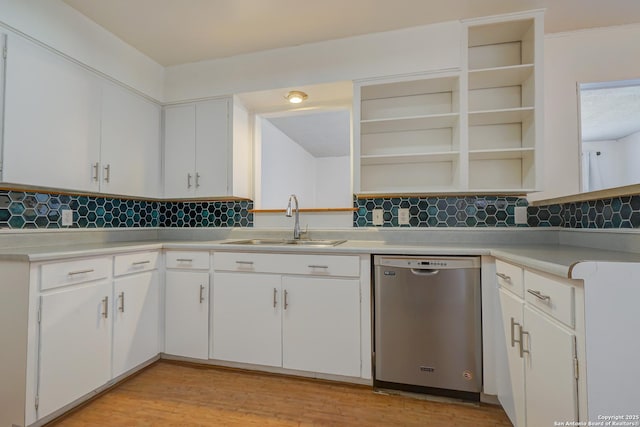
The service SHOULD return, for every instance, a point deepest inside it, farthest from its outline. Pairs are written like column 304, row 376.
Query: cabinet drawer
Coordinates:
column 55, row 275
column 189, row 260
column 134, row 263
column 510, row 277
column 319, row 265
column 551, row 296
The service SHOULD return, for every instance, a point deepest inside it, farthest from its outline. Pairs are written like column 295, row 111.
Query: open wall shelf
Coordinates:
column 476, row 129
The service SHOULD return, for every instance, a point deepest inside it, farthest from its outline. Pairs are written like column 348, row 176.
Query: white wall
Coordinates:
column 64, row 29
column 611, row 53
column 286, row 168
column 423, row 48
column 609, row 169
column 333, row 182
column 631, row 145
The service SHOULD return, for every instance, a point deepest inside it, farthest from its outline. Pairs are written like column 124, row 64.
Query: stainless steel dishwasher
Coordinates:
column 427, row 325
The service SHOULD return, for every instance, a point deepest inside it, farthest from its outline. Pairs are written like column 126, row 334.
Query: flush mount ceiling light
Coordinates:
column 296, row 96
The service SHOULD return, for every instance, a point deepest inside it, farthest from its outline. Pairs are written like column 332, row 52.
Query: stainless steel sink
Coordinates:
column 284, row 242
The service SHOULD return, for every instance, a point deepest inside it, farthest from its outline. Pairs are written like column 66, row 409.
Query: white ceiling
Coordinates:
column 175, row 32
column 610, row 113
column 321, row 133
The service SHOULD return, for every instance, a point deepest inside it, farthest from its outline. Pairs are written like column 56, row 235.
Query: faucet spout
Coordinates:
column 296, row 225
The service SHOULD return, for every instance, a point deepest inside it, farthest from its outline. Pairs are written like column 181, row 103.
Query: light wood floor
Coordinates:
column 169, row 394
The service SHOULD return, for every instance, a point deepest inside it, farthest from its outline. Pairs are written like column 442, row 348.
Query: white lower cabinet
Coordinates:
column 187, row 314
column 550, row 370
column 247, row 316
column 135, row 320
column 542, row 352
column 512, row 395
column 74, row 344
column 321, row 325
column 307, row 322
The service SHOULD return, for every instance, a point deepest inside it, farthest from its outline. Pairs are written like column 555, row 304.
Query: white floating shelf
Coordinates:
column 500, row 154
column 383, row 159
column 493, row 117
column 500, row 76
column 435, row 121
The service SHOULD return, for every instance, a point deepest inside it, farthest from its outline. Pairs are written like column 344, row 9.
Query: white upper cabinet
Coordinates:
column 206, row 151
column 52, row 120
column 477, row 129
column 67, row 128
column 130, row 143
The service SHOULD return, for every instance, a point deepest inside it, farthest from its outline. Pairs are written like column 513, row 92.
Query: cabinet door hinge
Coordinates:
column 37, row 402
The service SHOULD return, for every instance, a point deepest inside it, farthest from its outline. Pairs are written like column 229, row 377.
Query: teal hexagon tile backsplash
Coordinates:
column 27, row 210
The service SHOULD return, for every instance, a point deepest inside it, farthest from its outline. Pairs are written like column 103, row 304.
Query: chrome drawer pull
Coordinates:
column 245, row 262
column 107, row 173
column 74, row 273
column 95, row 168
column 141, row 262
column 318, row 266
column 513, row 334
column 504, row 276
column 184, row 260
column 522, row 350
column 105, row 306
column 539, row 295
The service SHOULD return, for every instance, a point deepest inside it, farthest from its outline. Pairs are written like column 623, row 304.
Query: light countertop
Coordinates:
column 554, row 259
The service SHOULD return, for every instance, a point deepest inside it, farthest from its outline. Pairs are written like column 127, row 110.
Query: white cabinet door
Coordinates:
column 179, row 151
column 52, row 120
column 212, row 148
column 246, row 321
column 75, row 344
column 187, row 314
column 135, row 324
column 130, row 144
column 511, row 391
column 321, row 325
column 551, row 386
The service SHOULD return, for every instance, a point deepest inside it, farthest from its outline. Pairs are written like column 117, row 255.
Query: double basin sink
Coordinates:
column 285, row 242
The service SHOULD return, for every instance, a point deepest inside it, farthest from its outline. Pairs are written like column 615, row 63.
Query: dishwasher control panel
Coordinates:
column 432, row 263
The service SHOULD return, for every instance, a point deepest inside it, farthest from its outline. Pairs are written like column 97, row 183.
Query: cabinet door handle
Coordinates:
column 513, row 333
column 107, row 173
column 75, row 273
column 105, row 307
column 504, row 276
column 121, row 309
column 522, row 349
column 275, row 297
column 201, row 294
column 245, row 262
column 197, row 180
column 318, row 266
column 137, row 263
column 286, row 302
column 184, row 259
column 96, row 168
column 188, row 180
column 540, row 295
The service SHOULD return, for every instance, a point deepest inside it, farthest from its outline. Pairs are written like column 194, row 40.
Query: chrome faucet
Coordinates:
column 296, row 225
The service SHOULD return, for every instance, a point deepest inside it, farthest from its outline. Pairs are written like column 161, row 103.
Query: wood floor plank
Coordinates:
column 172, row 394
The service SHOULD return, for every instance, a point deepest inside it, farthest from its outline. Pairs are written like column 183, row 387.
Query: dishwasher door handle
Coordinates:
column 424, row 272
